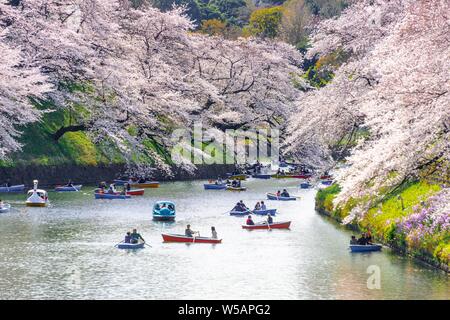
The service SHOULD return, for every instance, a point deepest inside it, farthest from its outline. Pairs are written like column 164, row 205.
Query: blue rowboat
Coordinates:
column 261, row 176
column 110, row 196
column 213, row 186
column 272, row 196
column 164, row 211
column 327, row 182
column 5, row 208
column 17, row 188
column 272, row 212
column 305, row 185
column 240, row 213
column 68, row 189
column 131, row 245
column 365, row 248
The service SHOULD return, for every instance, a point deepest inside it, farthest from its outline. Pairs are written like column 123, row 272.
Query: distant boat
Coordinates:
column 240, row 213
column 164, row 211
column 11, row 189
column 305, row 185
column 131, row 245
column 36, row 197
column 110, row 196
column 167, row 237
column 240, row 176
column 365, row 248
column 230, row 188
column 261, row 176
column 272, row 196
column 136, row 192
column 264, row 225
column 136, row 184
column 74, row 188
column 272, row 212
column 214, row 186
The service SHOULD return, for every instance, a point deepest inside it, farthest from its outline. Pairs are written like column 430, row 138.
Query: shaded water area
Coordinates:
column 67, row 251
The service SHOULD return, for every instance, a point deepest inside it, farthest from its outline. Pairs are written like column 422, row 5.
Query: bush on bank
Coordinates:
column 407, row 219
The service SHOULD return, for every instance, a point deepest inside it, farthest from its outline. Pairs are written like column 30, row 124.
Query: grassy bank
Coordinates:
column 387, row 219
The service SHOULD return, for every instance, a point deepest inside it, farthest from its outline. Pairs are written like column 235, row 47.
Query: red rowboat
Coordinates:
column 275, row 225
column 136, row 192
column 182, row 238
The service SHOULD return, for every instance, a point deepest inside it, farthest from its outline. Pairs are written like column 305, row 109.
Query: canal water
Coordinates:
column 66, row 251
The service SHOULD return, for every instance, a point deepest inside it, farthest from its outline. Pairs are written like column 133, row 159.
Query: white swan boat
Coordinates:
column 37, row 197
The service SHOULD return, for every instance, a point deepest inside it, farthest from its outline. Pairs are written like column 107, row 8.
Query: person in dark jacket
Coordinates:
column 363, row 240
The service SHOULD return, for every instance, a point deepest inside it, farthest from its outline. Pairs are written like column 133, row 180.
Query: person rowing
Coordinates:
column 135, row 237
column 189, row 232
column 213, row 233
column 285, row 193
column 269, row 219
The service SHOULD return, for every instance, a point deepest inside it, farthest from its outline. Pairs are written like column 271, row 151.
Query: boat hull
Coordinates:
column 261, row 176
column 181, row 238
column 130, row 246
column 272, row 196
column 147, row 184
column 12, row 189
column 212, row 186
column 163, row 218
column 36, row 204
column 272, row 212
column 68, row 189
column 236, row 188
column 305, row 186
column 365, row 248
column 237, row 177
column 137, row 192
column 110, row 196
column 275, row 225
column 240, row 213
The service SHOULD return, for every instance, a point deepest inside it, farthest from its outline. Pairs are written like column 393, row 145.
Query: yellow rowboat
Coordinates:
column 238, row 177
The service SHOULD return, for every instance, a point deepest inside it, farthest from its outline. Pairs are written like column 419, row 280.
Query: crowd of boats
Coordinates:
column 165, row 210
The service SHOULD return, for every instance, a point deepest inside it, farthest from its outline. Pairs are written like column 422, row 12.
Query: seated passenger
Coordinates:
column 362, row 240
column 128, row 237
column 263, row 206
column 353, row 240
column 285, row 193
column 257, row 206
column 189, row 232
column 249, row 221
column 269, row 219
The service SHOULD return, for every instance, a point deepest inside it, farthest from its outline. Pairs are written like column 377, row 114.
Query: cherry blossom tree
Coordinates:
column 393, row 92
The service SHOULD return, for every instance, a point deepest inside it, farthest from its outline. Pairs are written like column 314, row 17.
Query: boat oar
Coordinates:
column 118, row 243
column 145, row 243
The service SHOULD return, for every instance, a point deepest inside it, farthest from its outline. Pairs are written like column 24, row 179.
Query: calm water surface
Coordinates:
column 67, row 251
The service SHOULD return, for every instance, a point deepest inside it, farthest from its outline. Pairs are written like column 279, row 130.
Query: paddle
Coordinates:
column 145, row 243
column 119, row 243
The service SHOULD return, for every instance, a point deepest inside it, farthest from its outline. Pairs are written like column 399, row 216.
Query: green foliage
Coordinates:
column 383, row 217
column 265, row 22
column 326, row 8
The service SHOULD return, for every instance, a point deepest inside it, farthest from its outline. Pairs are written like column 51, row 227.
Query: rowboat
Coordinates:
column 213, row 186
column 146, row 184
column 261, row 176
column 131, row 245
column 136, row 192
column 5, row 208
column 110, row 196
column 68, row 188
column 36, row 197
column 272, row 212
column 264, row 225
column 305, row 185
column 327, row 182
column 240, row 213
column 326, row 177
column 17, row 188
column 365, row 248
column 236, row 176
column 230, row 188
column 164, row 211
column 272, row 196
column 296, row 176
column 182, row 238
